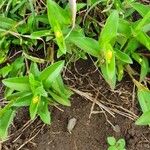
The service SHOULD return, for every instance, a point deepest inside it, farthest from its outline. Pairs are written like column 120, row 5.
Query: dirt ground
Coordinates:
column 89, row 133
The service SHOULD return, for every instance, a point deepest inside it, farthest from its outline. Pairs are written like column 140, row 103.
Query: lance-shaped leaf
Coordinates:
column 109, row 31
column 109, row 66
column 60, row 88
column 123, row 56
column 17, row 83
column 54, row 17
column 60, row 14
column 23, row 101
column 110, row 60
column 144, row 98
column 34, row 106
column 87, row 44
column 131, row 46
column 124, row 28
column 144, row 119
column 43, row 111
column 34, row 69
column 120, row 71
column 39, row 34
column 140, row 8
column 144, row 68
column 143, row 38
column 5, row 121
column 49, row 74
column 142, row 22
column 7, row 23
column 111, row 81
column 59, row 99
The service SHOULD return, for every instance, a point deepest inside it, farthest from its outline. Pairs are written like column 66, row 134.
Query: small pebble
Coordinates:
column 71, row 124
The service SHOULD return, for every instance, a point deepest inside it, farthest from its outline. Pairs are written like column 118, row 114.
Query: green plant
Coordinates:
column 41, row 30
column 116, row 145
column 37, row 90
column 118, row 47
column 13, row 69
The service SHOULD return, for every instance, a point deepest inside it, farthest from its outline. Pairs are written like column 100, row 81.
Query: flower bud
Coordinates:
column 58, row 34
column 35, row 99
column 109, row 55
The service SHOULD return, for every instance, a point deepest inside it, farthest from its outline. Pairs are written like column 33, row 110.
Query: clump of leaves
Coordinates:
column 116, row 145
column 38, row 90
column 119, row 46
column 49, row 27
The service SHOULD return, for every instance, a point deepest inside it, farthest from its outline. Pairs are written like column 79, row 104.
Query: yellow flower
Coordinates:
column 58, row 34
column 109, row 55
column 35, row 99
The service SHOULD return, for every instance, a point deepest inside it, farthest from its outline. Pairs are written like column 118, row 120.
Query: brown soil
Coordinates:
column 88, row 134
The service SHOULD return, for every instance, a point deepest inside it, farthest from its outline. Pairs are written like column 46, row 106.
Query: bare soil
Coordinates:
column 89, row 133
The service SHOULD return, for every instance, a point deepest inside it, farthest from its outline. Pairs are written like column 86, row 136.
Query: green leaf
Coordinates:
column 18, row 6
column 42, row 18
column 54, row 12
column 123, row 56
column 60, row 88
column 131, row 46
column 112, row 148
column 144, row 68
column 124, row 28
column 17, row 83
column 17, row 65
column 110, row 79
column 111, row 141
column 23, row 101
column 144, row 21
column 5, row 121
column 121, row 144
column 5, row 70
column 8, row 92
column 146, row 28
column 43, row 112
column 34, row 69
column 34, row 106
column 137, row 57
column 39, row 34
column 49, row 74
column 109, row 67
column 144, row 98
column 89, row 45
column 144, row 39
column 140, row 8
column 63, row 101
column 120, row 71
column 33, row 83
column 144, row 119
column 7, row 23
column 31, row 23
column 60, row 38
column 40, row 91
column 18, row 94
column 109, row 31
column 36, row 86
